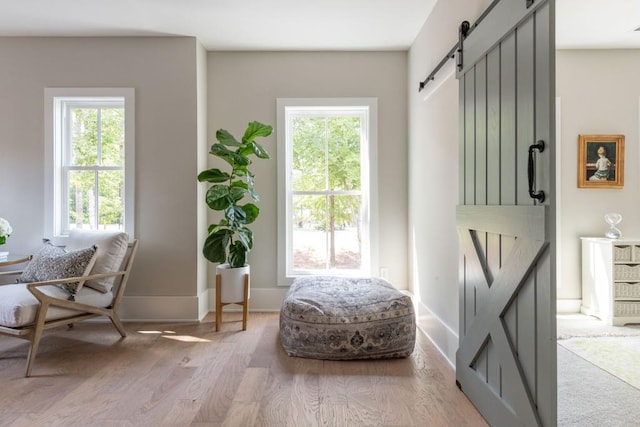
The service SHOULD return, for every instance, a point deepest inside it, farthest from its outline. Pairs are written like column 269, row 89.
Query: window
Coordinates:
column 327, row 169
column 89, row 146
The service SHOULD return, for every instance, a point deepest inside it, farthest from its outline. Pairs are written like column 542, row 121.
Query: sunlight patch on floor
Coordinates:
column 183, row 338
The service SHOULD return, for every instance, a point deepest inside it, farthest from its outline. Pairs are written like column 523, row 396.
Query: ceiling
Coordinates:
column 597, row 24
column 229, row 24
column 295, row 24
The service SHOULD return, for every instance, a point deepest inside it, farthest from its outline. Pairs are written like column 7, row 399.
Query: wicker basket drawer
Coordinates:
column 626, row 309
column 627, row 272
column 627, row 290
column 622, row 253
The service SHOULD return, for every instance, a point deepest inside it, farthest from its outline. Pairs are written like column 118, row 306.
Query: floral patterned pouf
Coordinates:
column 341, row 318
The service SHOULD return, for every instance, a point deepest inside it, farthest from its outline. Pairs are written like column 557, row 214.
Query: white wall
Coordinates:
column 162, row 70
column 244, row 86
column 599, row 92
column 433, row 176
column 201, row 162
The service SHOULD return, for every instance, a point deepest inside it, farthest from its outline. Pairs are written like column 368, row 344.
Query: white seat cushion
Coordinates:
column 18, row 306
column 112, row 247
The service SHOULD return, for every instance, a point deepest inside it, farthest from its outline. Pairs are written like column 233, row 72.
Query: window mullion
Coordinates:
column 99, row 136
column 326, row 153
column 326, row 197
column 64, row 202
column 96, row 204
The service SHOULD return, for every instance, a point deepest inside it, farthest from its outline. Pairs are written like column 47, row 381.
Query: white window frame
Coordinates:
column 54, row 98
column 286, row 275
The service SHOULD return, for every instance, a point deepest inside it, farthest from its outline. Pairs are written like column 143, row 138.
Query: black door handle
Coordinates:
column 531, row 170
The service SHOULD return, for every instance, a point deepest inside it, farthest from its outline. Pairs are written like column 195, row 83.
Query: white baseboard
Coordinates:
column 192, row 308
column 568, row 306
column 446, row 340
column 203, row 303
column 441, row 335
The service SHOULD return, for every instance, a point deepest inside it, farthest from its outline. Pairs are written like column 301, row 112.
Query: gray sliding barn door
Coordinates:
column 506, row 361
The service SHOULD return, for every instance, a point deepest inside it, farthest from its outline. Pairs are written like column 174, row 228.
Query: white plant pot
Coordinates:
column 232, row 283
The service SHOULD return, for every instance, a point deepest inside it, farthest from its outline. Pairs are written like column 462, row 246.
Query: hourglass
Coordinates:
column 613, row 219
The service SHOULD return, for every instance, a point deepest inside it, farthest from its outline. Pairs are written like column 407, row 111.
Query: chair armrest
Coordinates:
column 17, row 261
column 10, row 273
column 59, row 302
column 14, row 262
column 51, row 300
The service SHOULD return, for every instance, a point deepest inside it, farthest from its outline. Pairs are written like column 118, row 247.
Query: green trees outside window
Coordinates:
column 327, row 192
column 94, row 166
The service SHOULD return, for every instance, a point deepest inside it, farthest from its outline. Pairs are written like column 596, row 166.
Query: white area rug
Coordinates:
column 591, row 397
column 620, row 356
column 596, row 365
column 580, row 325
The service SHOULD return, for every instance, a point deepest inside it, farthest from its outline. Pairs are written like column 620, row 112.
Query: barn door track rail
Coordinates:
column 463, row 32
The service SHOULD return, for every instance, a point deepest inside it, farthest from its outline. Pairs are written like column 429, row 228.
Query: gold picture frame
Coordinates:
column 600, row 161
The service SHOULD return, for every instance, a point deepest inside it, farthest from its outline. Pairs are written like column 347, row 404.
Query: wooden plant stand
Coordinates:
column 220, row 304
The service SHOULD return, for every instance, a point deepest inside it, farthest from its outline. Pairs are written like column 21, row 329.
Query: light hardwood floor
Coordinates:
column 186, row 374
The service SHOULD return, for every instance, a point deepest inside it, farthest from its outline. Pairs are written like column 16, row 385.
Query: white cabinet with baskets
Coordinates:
column 611, row 279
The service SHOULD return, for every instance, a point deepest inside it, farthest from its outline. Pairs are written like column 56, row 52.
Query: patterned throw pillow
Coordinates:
column 53, row 263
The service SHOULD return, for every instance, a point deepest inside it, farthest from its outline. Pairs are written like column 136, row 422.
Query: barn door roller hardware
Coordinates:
column 463, row 32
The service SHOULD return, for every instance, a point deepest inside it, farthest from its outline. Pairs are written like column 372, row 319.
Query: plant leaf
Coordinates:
column 240, row 160
column 226, row 138
column 245, row 235
column 247, row 149
column 251, row 212
column 237, row 255
column 236, row 193
column 236, row 215
column 223, row 152
column 240, row 184
column 260, row 151
column 213, row 175
column 253, row 195
column 215, row 246
column 217, row 197
column 256, row 129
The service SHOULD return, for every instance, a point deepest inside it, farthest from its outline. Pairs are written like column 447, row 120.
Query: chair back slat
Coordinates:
column 121, row 284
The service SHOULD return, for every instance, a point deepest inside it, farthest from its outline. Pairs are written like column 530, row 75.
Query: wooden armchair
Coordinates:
column 45, row 304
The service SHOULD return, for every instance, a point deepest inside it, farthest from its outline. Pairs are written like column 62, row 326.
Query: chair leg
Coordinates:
column 35, row 339
column 118, row 324
column 32, row 352
column 218, row 303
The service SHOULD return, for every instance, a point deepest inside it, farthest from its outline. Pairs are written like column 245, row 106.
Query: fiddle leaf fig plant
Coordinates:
column 230, row 239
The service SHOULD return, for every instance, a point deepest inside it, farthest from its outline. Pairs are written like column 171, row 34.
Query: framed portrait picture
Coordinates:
column 600, row 161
